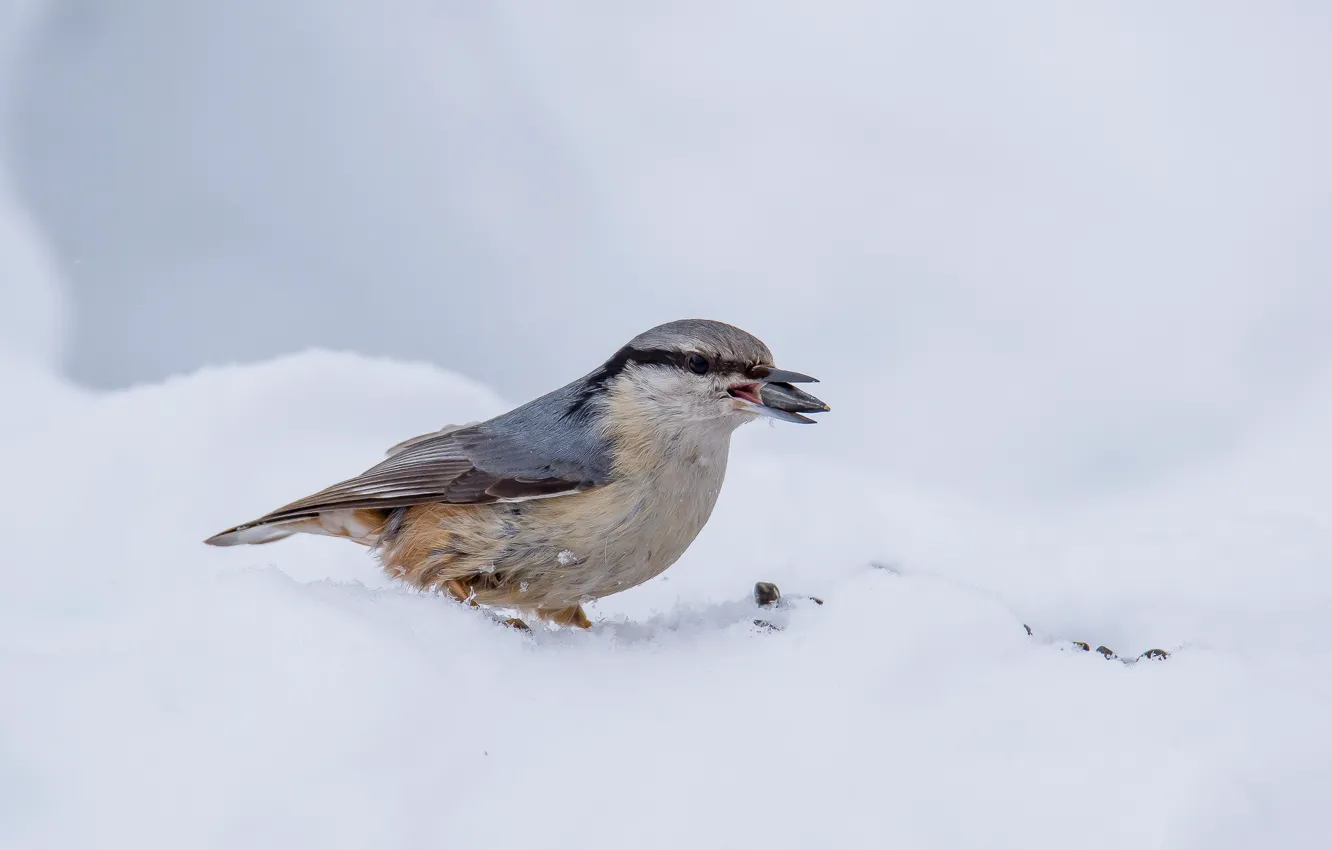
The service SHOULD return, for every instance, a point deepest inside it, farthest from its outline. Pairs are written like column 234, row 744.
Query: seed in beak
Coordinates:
column 784, row 396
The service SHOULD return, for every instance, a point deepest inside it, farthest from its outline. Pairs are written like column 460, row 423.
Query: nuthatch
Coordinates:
column 586, row 491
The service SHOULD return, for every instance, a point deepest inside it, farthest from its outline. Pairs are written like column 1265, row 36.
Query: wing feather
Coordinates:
column 439, row 467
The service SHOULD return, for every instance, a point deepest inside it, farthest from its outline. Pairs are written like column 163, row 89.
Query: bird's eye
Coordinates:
column 698, row 364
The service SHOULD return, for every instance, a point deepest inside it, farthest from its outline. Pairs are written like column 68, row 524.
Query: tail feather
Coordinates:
column 257, row 533
column 360, row 525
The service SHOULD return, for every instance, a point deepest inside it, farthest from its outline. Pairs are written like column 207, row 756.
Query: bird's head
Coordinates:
column 697, row 372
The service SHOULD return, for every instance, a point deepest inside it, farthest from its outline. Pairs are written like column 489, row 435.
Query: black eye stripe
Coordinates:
column 666, row 357
column 681, row 360
column 650, row 357
column 656, row 357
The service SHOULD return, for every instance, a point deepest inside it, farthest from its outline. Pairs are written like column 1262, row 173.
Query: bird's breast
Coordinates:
column 626, row 532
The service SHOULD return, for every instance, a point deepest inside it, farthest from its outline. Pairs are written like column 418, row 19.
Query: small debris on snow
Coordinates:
column 766, row 593
column 1105, row 651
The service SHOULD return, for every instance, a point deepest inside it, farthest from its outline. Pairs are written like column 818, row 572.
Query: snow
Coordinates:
column 161, row 693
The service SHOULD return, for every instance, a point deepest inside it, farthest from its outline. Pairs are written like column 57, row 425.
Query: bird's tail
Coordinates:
column 359, row 525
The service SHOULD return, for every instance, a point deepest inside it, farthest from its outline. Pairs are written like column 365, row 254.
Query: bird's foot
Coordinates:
column 461, row 591
column 574, row 616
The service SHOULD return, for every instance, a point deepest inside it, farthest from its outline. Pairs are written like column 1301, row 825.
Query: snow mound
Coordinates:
column 160, row 693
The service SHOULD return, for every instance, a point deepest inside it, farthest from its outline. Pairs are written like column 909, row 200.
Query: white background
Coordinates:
column 1035, row 250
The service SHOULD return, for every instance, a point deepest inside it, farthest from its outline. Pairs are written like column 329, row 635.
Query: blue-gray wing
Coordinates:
column 470, row 465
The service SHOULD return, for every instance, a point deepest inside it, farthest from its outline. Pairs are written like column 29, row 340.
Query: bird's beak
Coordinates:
column 785, row 376
column 773, row 395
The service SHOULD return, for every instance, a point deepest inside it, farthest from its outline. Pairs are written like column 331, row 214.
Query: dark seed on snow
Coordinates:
column 766, row 593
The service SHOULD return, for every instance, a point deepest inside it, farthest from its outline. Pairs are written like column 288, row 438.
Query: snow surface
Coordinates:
column 160, row 693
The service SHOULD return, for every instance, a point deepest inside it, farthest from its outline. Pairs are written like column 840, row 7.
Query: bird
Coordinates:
column 586, row 491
